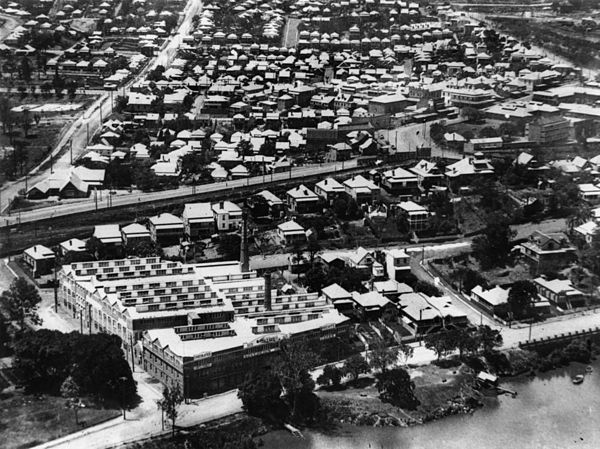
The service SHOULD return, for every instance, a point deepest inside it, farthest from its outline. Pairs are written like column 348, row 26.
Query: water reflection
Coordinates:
column 549, row 412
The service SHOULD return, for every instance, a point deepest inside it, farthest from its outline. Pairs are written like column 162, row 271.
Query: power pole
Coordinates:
column 55, row 285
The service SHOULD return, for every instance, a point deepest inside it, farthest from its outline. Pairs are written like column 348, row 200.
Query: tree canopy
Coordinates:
column 44, row 359
column 396, row 387
column 20, row 301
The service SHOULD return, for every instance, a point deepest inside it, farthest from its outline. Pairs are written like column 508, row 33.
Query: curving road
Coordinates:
column 90, row 121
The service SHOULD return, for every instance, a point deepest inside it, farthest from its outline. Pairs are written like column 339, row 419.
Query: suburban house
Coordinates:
column 302, row 200
column 275, row 204
column 71, row 246
column 547, row 252
column 329, row 189
column 392, row 289
column 397, row 263
column 469, row 169
column 360, row 259
column 415, row 215
column 371, row 305
column 135, row 233
column 339, row 297
column 165, row 228
column 109, row 235
column 590, row 193
column 227, row 216
column 198, row 220
column 417, row 315
column 361, row 190
column 492, row 300
column 428, row 174
column 401, row 182
column 39, row 259
column 290, row 233
column 560, row 292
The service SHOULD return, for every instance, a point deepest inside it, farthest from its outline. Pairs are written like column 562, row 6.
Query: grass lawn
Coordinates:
column 29, row 420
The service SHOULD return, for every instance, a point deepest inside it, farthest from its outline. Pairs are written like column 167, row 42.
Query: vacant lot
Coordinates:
column 29, row 420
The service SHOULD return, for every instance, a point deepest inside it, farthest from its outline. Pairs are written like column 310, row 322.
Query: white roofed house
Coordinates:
column 276, row 207
column 372, row 305
column 493, row 300
column 339, row 297
column 291, row 233
column 198, row 220
column 39, row 259
column 468, row 169
column 397, row 263
column 590, row 193
column 415, row 215
column 401, row 182
column 165, row 228
column 135, row 233
column 329, row 189
column 71, row 246
column 302, row 200
column 428, row 174
column 560, row 292
column 110, row 240
column 227, row 216
column 361, row 190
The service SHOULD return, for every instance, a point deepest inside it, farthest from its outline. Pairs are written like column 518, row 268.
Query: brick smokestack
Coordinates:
column 244, row 256
column 267, row 277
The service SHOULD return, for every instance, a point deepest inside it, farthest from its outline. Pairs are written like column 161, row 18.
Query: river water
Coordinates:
column 549, row 412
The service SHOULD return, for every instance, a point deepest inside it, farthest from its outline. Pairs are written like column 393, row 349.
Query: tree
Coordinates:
column 313, row 247
column 489, row 338
column 427, row 288
column 492, row 249
column 437, row 131
column 315, row 279
column 440, row 342
column 382, row 357
column 488, row 132
column 406, row 352
column 469, row 279
column 465, row 340
column 6, row 114
column 472, row 114
column 143, row 248
column 521, row 296
column 21, row 301
column 171, row 400
column 71, row 392
column 26, row 69
column 331, row 376
column 396, row 387
column 230, row 245
column 261, row 393
column 355, row 366
column 295, row 361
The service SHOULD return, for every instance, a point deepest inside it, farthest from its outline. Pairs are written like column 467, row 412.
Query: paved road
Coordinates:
column 90, row 121
column 139, row 198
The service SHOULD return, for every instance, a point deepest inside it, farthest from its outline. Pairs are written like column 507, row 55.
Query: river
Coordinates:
column 549, row 412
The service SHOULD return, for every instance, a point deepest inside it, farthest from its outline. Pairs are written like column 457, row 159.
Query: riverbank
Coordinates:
column 549, row 412
column 440, row 391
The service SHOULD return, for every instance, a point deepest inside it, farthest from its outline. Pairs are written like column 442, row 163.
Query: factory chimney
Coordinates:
column 267, row 277
column 244, row 256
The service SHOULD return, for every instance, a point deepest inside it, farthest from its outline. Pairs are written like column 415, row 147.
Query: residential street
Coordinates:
column 90, row 121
